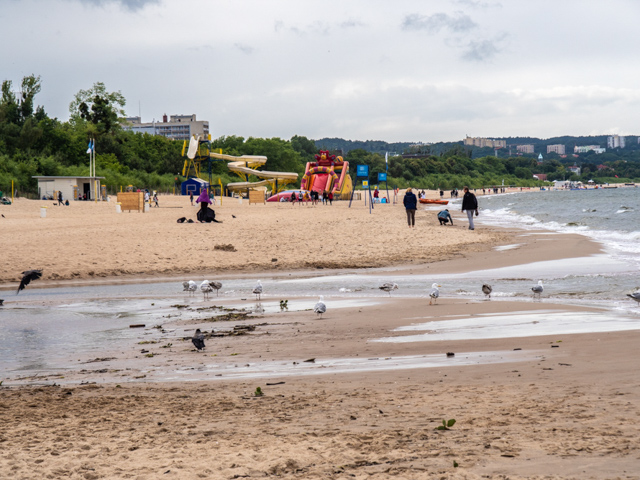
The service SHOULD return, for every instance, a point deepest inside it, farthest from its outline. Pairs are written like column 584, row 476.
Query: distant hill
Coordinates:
column 399, row 148
column 373, row 146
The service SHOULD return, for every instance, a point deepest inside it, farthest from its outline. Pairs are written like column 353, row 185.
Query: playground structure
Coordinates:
column 199, row 151
column 328, row 174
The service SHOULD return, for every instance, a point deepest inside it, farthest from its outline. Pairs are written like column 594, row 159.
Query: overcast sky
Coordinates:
column 398, row 70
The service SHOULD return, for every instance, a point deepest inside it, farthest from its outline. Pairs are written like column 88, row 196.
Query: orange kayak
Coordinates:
column 432, row 200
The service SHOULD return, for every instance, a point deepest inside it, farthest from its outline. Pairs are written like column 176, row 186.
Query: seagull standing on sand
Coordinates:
column 206, row 289
column 434, row 293
column 189, row 286
column 388, row 287
column 486, row 289
column 198, row 340
column 538, row 289
column 634, row 296
column 27, row 277
column 216, row 286
column 320, row 307
column 257, row 290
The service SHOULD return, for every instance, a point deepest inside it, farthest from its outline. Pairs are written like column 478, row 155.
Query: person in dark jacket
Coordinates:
column 411, row 204
column 470, row 205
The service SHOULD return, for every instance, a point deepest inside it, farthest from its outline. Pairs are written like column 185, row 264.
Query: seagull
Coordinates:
column 257, row 290
column 216, row 286
column 320, row 307
column 486, row 289
column 189, row 286
column 388, row 287
column 206, row 288
column 434, row 293
column 27, row 277
column 634, row 296
column 198, row 340
column 538, row 289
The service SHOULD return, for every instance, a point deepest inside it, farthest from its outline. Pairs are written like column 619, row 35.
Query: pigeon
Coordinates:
column 388, row 287
column 189, row 286
column 434, row 293
column 486, row 289
column 320, row 307
column 27, row 276
column 538, row 289
column 198, row 340
column 257, row 290
column 634, row 296
column 206, row 288
column 233, row 216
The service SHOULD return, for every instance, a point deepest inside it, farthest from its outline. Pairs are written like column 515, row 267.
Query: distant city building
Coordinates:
column 176, row 127
column 485, row 142
column 540, row 176
column 575, row 169
column 588, row 148
column 525, row 148
column 559, row 149
column 615, row 141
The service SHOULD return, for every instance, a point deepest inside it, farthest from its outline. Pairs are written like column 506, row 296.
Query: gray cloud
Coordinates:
column 246, row 49
column 351, row 23
column 483, row 50
column 477, row 4
column 438, row 21
column 131, row 5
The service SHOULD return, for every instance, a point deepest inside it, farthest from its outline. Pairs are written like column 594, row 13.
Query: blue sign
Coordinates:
column 382, row 177
column 362, row 171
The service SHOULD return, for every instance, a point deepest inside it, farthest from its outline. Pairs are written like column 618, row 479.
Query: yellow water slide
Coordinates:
column 244, row 166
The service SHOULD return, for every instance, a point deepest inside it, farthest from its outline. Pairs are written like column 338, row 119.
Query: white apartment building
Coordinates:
column 559, row 149
column 484, row 142
column 615, row 141
column 176, row 127
column 587, row 148
column 525, row 148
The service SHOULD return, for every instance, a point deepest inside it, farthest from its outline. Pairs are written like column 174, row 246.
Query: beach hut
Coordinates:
column 72, row 188
column 193, row 186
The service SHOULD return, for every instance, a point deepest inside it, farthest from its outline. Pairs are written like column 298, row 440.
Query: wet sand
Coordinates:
column 567, row 408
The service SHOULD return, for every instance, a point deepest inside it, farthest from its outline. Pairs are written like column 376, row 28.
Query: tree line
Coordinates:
column 32, row 143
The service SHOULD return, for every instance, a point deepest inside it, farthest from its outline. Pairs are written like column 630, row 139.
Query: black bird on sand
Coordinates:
column 27, row 277
column 198, row 339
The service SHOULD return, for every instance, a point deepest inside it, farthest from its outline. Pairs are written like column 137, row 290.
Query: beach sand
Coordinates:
column 550, row 407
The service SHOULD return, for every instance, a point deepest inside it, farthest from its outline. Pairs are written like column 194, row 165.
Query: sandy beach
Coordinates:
column 337, row 402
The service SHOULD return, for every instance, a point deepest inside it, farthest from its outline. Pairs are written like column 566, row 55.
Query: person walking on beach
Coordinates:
column 59, row 198
column 155, row 200
column 191, row 198
column 470, row 204
column 330, row 196
column 411, row 205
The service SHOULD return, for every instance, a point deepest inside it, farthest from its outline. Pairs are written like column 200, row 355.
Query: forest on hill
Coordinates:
column 32, row 143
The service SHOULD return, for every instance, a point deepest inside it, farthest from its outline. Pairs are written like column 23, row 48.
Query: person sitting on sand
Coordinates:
column 206, row 214
column 444, row 216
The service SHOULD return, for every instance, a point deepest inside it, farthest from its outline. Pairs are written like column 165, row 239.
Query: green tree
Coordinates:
column 99, row 108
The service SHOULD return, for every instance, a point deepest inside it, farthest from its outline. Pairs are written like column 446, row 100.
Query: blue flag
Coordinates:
column 90, row 147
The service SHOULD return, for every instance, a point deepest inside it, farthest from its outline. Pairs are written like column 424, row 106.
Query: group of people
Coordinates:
column 155, row 198
column 469, row 205
column 313, row 197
